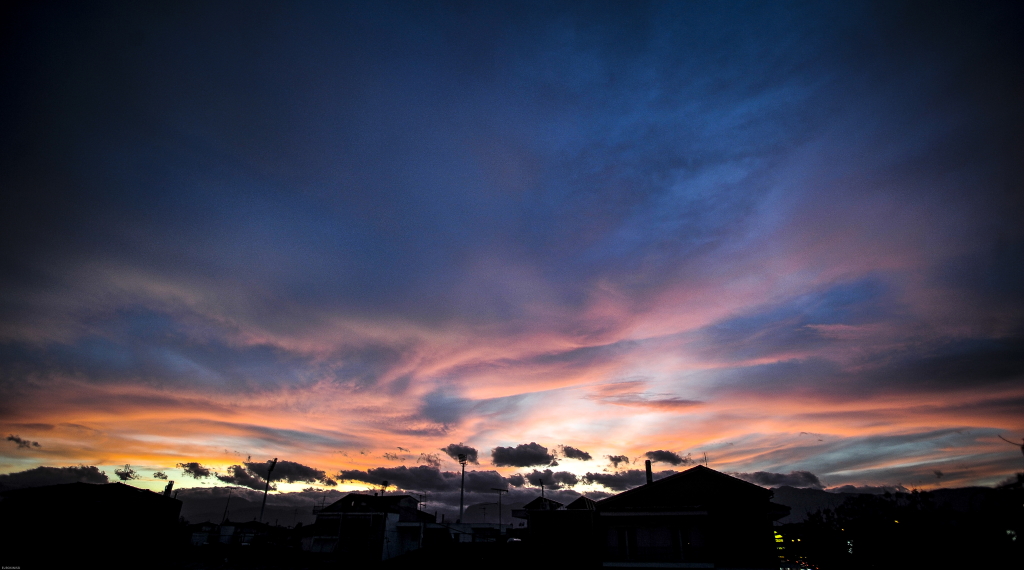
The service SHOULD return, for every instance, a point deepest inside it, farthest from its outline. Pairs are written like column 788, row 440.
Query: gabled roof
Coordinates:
column 582, row 504
column 542, row 504
column 357, row 502
column 696, row 487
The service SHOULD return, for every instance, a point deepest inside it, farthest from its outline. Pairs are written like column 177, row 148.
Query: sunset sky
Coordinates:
column 789, row 236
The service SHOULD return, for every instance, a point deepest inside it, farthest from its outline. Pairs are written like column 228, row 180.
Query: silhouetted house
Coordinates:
column 538, row 504
column 43, row 526
column 543, row 504
column 368, row 528
column 567, row 532
column 699, row 518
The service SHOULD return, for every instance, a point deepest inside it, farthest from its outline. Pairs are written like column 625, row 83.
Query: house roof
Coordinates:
column 79, row 493
column 357, row 502
column 542, row 504
column 696, row 487
column 582, row 504
column 99, row 503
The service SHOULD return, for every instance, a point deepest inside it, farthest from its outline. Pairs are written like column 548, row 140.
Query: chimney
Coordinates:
column 167, row 489
column 650, row 476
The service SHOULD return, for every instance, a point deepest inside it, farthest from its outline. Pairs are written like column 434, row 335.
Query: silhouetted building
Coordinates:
column 538, row 504
column 368, row 528
column 42, row 526
column 699, row 518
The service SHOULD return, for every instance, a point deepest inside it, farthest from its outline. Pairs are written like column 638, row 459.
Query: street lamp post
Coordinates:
column 270, row 472
column 462, row 489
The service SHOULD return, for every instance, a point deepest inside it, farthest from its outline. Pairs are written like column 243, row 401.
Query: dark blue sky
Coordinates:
column 327, row 230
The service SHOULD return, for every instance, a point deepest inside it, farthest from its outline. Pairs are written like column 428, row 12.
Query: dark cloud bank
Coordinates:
column 669, row 457
column 453, row 450
column 22, row 443
column 41, row 476
column 573, row 453
column 799, row 479
column 522, row 455
column 617, row 459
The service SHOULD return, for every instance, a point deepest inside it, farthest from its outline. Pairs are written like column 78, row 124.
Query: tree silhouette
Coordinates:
column 126, row 474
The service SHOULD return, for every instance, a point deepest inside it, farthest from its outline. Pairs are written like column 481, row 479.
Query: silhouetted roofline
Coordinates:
column 368, row 502
column 698, row 470
column 542, row 503
column 98, row 490
column 582, row 504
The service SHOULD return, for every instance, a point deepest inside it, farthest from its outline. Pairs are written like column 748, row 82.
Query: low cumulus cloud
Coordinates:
column 617, row 459
column 485, row 481
column 623, row 480
column 428, row 478
column 194, row 469
column 239, row 475
column 574, row 453
column 41, row 476
column 419, row 478
column 290, row 472
column 869, row 489
column 431, row 459
column 553, row 480
column 801, row 479
column 662, row 456
column 23, row 443
column 522, row 455
column 454, row 449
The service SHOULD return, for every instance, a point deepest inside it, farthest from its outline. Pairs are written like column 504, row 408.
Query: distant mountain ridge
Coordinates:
column 803, row 502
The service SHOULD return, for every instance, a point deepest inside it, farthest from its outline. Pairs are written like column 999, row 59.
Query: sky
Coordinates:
column 783, row 236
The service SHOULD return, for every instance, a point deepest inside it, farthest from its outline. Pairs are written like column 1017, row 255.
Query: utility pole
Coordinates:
column 225, row 517
column 267, row 488
column 462, row 489
column 500, row 491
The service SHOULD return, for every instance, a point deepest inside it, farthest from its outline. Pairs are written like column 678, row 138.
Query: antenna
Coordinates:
column 1021, row 445
column 462, row 489
column 267, row 488
column 541, row 483
column 705, row 459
